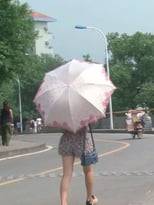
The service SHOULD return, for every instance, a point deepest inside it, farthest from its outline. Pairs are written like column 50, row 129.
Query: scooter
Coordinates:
column 135, row 123
column 138, row 130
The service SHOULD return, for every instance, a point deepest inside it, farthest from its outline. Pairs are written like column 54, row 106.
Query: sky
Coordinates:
column 123, row 16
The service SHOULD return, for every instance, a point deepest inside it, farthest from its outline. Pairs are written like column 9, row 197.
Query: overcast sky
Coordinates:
column 123, row 16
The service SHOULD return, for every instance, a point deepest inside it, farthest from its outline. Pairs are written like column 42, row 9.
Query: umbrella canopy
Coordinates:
column 74, row 95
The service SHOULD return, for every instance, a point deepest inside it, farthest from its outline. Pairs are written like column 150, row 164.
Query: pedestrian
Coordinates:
column 6, row 123
column 33, row 126
column 71, row 146
column 18, row 126
column 39, row 124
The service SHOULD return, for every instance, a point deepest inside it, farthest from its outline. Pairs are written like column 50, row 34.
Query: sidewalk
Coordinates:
column 20, row 147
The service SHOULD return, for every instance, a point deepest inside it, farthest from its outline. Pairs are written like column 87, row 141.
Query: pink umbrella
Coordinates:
column 74, row 95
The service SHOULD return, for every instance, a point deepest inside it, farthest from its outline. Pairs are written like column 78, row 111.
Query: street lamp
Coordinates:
column 20, row 104
column 107, row 62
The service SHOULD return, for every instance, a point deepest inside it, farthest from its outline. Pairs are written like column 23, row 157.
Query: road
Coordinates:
column 123, row 176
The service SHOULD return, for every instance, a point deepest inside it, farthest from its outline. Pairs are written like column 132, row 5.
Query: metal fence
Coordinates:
column 119, row 123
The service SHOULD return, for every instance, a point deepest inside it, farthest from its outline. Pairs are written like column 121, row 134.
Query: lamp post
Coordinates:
column 107, row 62
column 20, row 104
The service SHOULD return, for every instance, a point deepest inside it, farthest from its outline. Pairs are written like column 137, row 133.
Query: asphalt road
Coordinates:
column 123, row 176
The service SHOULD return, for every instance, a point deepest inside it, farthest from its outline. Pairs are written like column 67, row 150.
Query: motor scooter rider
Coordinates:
column 135, row 122
column 138, row 122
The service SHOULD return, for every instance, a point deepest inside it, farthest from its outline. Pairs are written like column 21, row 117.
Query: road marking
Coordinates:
column 28, row 154
column 126, row 144
column 76, row 163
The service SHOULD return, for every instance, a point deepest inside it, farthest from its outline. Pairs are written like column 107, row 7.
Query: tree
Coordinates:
column 132, row 66
column 146, row 95
column 87, row 58
column 121, row 76
column 16, row 37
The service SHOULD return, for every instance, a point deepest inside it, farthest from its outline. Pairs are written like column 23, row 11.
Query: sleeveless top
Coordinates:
column 5, row 117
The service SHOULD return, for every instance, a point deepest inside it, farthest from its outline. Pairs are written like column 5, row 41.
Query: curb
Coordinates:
column 56, row 130
column 118, row 131
column 24, row 150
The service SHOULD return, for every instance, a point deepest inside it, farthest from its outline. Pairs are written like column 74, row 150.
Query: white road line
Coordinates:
column 76, row 163
column 28, row 154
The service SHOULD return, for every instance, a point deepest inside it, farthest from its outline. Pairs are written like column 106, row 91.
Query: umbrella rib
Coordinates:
column 99, row 84
column 70, row 111
column 80, row 74
column 86, row 100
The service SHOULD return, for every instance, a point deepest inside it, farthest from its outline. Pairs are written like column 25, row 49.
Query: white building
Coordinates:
column 43, row 43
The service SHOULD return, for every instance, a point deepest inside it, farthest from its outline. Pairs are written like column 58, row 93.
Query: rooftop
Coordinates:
column 42, row 17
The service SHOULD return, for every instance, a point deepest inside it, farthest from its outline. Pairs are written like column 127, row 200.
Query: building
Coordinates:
column 43, row 43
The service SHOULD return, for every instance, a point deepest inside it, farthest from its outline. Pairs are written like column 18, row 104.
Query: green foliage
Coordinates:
column 121, row 76
column 87, row 58
column 6, row 91
column 146, row 95
column 132, row 69
column 16, row 37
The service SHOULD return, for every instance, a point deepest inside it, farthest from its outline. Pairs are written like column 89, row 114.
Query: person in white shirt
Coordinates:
column 39, row 124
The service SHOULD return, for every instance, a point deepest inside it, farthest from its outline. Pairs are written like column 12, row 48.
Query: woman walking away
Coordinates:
column 74, row 145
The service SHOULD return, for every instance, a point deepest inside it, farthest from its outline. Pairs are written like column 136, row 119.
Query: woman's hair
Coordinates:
column 6, row 104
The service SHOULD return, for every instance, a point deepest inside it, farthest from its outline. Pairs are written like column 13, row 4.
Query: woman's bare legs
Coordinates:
column 68, row 162
column 89, row 180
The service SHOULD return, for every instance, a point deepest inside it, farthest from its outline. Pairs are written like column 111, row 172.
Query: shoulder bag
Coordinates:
column 88, row 158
